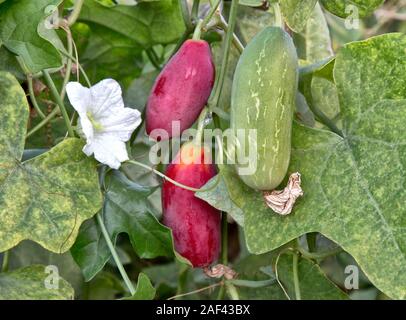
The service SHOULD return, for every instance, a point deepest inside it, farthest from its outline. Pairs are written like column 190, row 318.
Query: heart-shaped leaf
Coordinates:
column 44, row 199
column 354, row 185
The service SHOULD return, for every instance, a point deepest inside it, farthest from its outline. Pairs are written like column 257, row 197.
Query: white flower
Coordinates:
column 104, row 121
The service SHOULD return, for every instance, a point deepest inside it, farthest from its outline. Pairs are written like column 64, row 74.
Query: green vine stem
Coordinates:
column 48, row 118
column 202, row 24
column 6, row 258
column 180, row 185
column 195, row 9
column 296, row 276
column 79, row 66
column 153, row 58
column 68, row 69
column 32, row 97
column 75, row 12
column 213, row 101
column 320, row 116
column 198, row 30
column 319, row 255
column 236, row 41
column 59, row 102
column 116, row 258
column 311, row 239
column 200, row 125
column 224, row 250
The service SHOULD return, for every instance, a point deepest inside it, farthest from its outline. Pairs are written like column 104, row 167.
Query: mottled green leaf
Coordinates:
column 313, row 283
column 317, row 36
column 30, row 283
column 343, row 8
column 20, row 34
column 125, row 210
column 29, row 253
column 147, row 23
column 354, row 186
column 250, row 21
column 296, row 12
column 44, row 199
column 144, row 291
column 325, row 97
column 219, row 198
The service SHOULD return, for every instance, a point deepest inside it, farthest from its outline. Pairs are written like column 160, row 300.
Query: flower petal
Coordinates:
column 85, row 126
column 106, row 98
column 122, row 123
column 79, row 96
column 107, row 150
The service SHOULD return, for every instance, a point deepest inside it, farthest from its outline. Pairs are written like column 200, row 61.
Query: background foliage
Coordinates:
column 348, row 144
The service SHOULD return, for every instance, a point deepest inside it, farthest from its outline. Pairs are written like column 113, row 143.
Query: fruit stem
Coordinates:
column 116, row 258
column 200, row 126
column 198, row 30
column 213, row 100
column 32, row 97
column 202, row 23
column 278, row 15
column 296, row 276
column 180, row 185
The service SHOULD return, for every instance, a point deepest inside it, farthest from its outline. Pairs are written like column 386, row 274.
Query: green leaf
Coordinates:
column 343, row 8
column 354, row 186
column 8, row 62
column 147, row 24
column 29, row 253
column 125, row 210
column 44, row 199
column 138, row 92
column 219, row 198
column 144, row 291
column 20, row 35
column 30, row 283
column 314, row 285
column 296, row 12
column 110, row 54
column 317, row 37
column 251, row 268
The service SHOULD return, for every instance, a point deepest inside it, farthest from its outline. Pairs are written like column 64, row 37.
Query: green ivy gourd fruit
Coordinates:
column 263, row 99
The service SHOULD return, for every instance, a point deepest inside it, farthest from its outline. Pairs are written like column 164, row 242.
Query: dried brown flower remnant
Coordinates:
column 282, row 201
column 220, row 270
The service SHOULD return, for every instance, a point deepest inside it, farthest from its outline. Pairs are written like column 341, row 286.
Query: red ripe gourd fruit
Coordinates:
column 182, row 89
column 195, row 224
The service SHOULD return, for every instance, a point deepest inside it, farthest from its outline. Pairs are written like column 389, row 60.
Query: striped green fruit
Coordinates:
column 263, row 99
